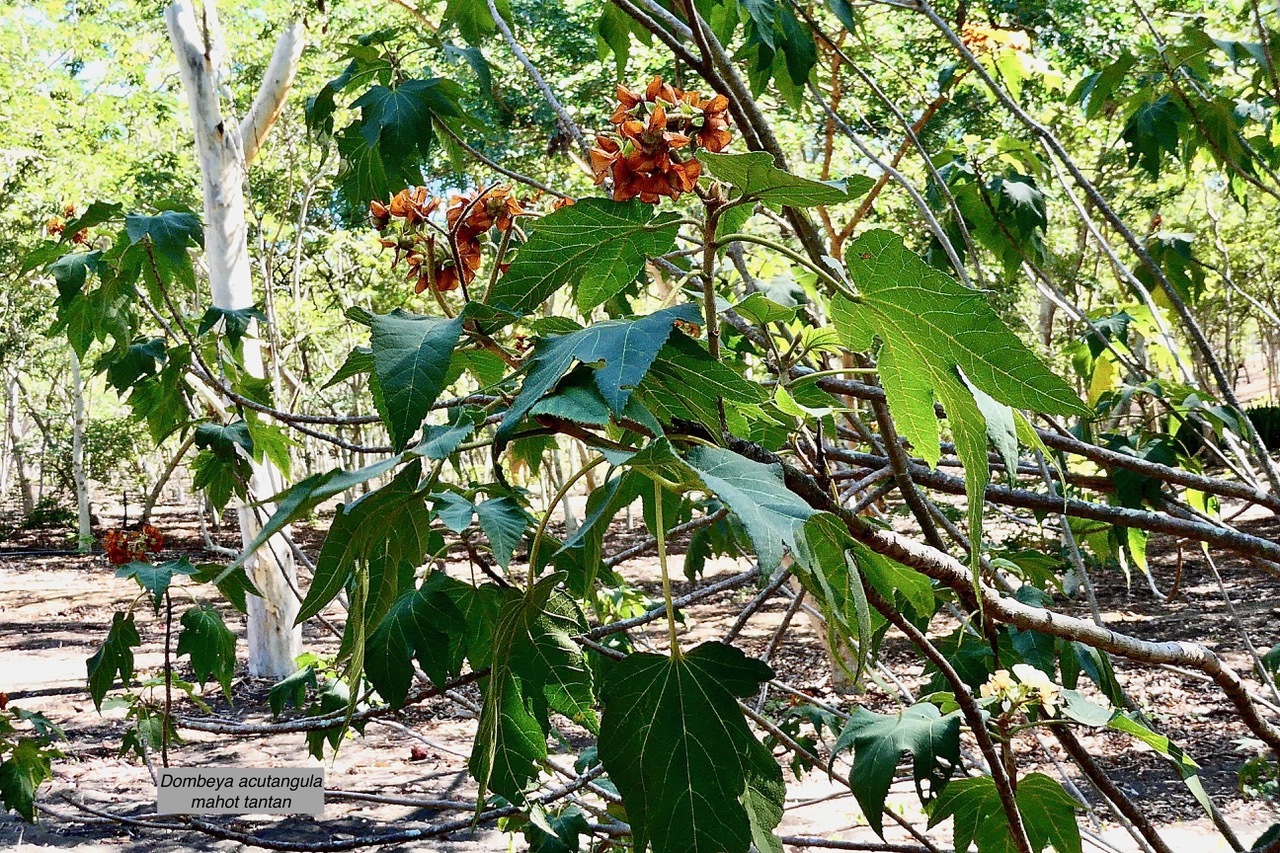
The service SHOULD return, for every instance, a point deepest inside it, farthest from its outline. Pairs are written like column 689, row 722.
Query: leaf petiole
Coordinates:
column 660, row 533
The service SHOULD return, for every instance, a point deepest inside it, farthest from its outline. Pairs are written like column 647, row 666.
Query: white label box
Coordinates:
column 240, row 790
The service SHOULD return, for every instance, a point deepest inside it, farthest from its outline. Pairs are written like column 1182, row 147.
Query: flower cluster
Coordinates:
column 57, row 225
column 1031, row 687
column 429, row 251
column 984, row 38
column 127, row 546
column 652, row 128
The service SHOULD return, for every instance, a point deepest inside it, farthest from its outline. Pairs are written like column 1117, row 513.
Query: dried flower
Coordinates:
column 984, row 38
column 497, row 208
column 127, row 546
column 380, row 215
column 644, row 160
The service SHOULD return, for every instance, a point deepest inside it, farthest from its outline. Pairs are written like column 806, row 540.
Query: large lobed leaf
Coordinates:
column 1048, row 813
column 623, row 349
column 600, row 244
column 878, row 742
column 756, row 177
column 114, row 656
column 421, row 624
column 155, row 579
column 692, row 776
column 942, row 343
column 384, row 532
column 210, row 644
column 536, row 668
column 411, row 357
column 27, row 766
column 773, row 515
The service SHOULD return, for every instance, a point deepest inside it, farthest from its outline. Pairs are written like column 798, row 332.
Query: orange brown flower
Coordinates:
column 656, row 133
column 128, row 546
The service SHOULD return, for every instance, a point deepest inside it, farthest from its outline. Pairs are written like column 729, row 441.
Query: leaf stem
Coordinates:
column 709, row 310
column 660, row 533
column 168, row 680
column 546, row 516
column 836, row 284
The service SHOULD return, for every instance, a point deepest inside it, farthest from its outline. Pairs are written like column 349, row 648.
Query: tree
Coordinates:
column 225, row 153
column 755, row 341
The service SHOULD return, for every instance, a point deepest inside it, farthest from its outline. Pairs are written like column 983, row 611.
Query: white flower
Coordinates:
column 1000, row 682
column 1047, row 692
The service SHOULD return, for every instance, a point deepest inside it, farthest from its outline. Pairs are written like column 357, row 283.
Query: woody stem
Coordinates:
column 709, row 297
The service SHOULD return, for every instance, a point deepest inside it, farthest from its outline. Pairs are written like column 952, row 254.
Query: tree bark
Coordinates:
column 224, row 149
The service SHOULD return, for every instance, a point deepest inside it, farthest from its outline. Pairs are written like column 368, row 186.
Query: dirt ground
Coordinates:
column 55, row 609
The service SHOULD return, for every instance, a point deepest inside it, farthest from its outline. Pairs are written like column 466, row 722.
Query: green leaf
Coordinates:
column 1151, row 131
column 1271, row 660
column 140, row 359
column 155, row 579
column 304, row 497
column 613, row 34
column 693, row 778
column 773, row 515
column 384, row 149
column 473, row 18
column 270, row 442
column 475, row 59
column 686, row 383
column 411, row 358
column 161, row 400
column 878, row 742
column 419, row 624
column 623, row 349
column 442, row 440
column 95, row 214
column 1267, row 840
column 232, row 322
column 942, row 343
column 219, row 479
column 755, row 176
column 503, row 522
column 910, row 590
column 1097, row 89
column 762, row 310
column 537, row 667
column 454, row 510
column 46, row 729
column 292, row 690
column 600, row 244
column 385, row 529
column 235, row 586
column 114, row 656
column 27, row 767
column 70, row 272
column 830, row 573
column 1048, row 813
column 358, row 362
column 565, row 827
column 210, row 644
column 170, row 233
column 227, row 442
column 480, row 607
column 1086, row 712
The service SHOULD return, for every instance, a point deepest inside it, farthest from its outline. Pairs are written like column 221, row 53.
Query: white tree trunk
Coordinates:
column 17, row 436
column 84, row 535
column 274, row 640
